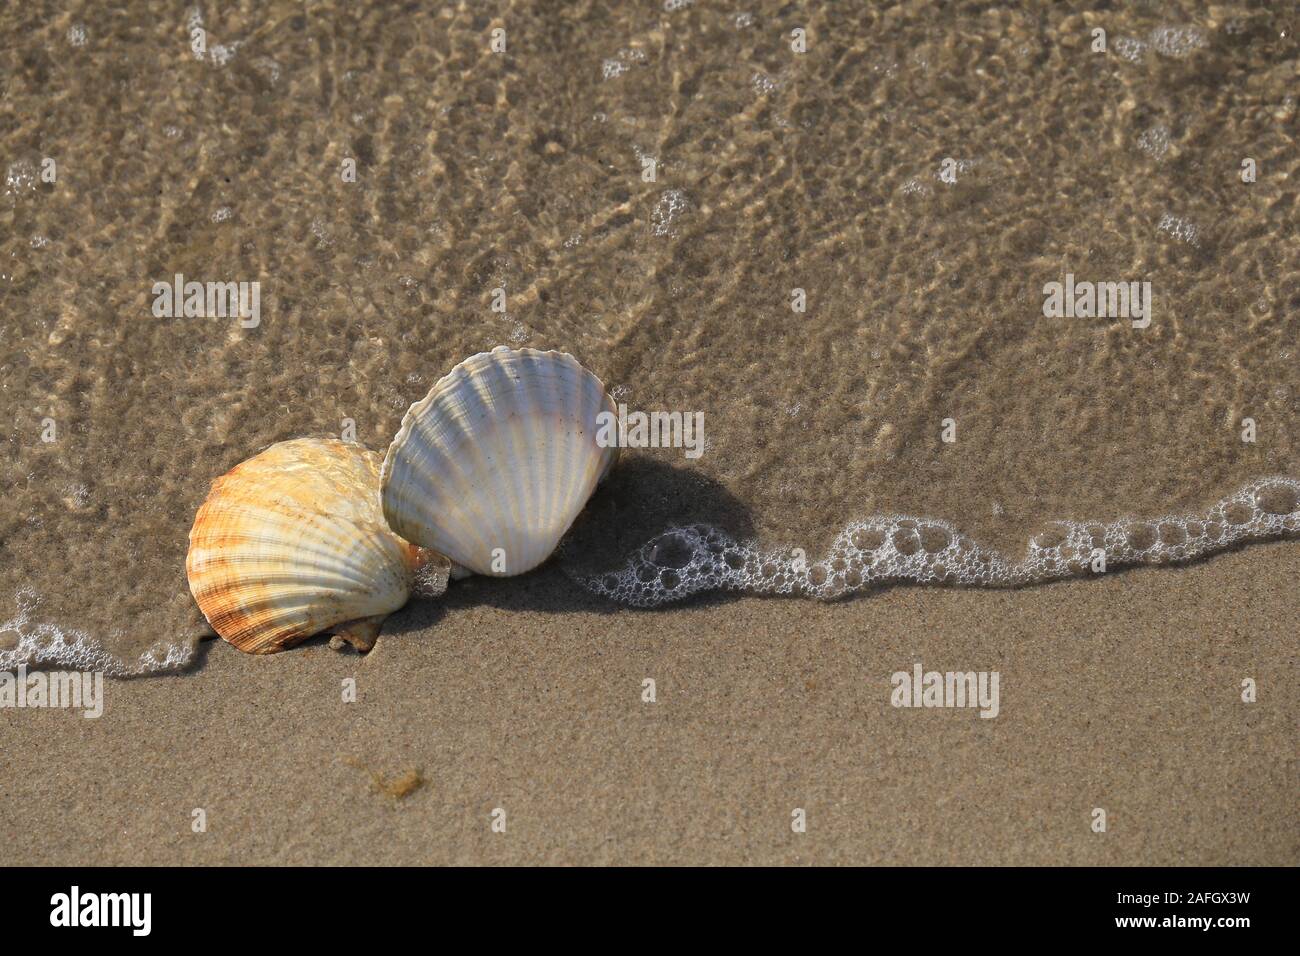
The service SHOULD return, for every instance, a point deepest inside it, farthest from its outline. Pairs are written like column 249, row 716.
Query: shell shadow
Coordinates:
column 641, row 499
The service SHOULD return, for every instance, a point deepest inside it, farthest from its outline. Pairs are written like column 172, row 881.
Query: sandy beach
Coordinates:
column 525, row 695
column 837, row 235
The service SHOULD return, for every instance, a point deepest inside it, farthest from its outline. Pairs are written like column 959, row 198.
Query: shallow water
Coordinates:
column 523, row 170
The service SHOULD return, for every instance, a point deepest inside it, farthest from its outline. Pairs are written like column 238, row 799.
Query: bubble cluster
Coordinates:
column 20, row 177
column 664, row 216
column 25, row 641
column 1130, row 48
column 1155, row 141
column 615, row 66
column 1177, row 41
column 897, row 548
column 1181, row 229
column 882, row 549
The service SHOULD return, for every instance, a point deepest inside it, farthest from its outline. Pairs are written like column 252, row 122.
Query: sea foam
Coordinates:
column 888, row 549
column 874, row 551
column 48, row 645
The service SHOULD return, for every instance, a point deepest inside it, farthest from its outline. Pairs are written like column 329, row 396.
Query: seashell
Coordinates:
column 493, row 465
column 291, row 543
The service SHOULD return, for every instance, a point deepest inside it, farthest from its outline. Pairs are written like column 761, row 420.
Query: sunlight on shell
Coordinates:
column 291, row 543
column 494, row 464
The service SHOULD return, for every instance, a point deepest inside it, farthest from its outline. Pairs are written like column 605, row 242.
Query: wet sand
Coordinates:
column 775, row 171
column 1120, row 693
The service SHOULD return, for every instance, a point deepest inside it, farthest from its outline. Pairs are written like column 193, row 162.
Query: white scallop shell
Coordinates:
column 493, row 465
column 291, row 543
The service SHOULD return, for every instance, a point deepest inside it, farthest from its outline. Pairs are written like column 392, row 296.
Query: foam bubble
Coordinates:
column 1183, row 230
column 881, row 549
column 887, row 549
column 1130, row 48
column 1177, row 41
column 1155, row 141
column 664, row 216
column 46, row 645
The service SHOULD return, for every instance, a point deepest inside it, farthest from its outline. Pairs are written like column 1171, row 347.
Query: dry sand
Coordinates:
column 525, row 694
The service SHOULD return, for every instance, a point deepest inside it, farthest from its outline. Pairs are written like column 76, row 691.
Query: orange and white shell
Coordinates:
column 495, row 463
column 291, row 543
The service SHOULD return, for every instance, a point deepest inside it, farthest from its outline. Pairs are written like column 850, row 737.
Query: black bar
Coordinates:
column 952, row 906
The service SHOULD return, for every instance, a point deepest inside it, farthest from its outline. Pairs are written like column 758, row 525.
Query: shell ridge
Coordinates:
column 292, row 541
column 500, row 453
column 525, row 437
column 252, row 546
column 466, row 411
column 560, row 447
